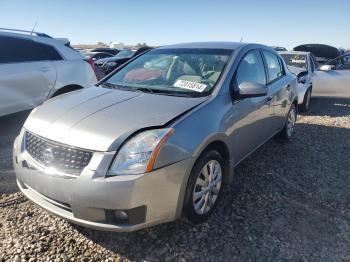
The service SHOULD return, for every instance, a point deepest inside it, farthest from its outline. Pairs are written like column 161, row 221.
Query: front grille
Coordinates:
column 66, row 159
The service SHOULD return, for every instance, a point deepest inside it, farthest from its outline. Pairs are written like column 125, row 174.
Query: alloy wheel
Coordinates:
column 207, row 187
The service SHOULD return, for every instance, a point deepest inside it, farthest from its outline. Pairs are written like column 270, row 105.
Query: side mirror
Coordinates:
column 251, row 89
column 302, row 80
column 326, row 67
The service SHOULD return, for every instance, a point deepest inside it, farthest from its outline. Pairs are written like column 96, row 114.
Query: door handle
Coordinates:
column 269, row 100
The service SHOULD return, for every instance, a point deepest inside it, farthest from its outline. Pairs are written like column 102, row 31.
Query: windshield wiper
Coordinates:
column 145, row 89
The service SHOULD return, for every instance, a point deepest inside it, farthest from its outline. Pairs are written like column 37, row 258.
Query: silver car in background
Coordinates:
column 35, row 67
column 158, row 139
column 333, row 78
column 303, row 65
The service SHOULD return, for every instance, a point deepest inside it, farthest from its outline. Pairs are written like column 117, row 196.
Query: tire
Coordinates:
column 305, row 106
column 197, row 210
column 287, row 131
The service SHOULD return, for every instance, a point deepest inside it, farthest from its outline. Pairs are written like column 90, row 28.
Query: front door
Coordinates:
column 252, row 117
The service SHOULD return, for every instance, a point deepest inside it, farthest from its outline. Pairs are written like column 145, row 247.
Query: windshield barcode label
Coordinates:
column 193, row 86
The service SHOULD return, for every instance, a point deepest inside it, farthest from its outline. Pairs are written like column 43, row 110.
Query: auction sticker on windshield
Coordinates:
column 298, row 61
column 193, row 86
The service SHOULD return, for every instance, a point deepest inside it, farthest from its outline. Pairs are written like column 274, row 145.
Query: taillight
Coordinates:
column 91, row 62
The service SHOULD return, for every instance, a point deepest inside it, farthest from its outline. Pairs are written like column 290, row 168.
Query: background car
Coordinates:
column 112, row 51
column 303, row 65
column 333, row 78
column 111, row 63
column 35, row 67
column 94, row 56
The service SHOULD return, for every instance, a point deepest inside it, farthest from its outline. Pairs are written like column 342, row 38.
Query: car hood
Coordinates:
column 101, row 119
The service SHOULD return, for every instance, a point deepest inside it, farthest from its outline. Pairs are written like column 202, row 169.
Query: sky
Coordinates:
column 160, row 22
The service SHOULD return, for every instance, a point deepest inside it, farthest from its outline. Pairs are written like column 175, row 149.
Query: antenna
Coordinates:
column 31, row 33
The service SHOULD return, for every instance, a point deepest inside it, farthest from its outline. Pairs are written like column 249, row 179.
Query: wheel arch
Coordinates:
column 219, row 144
column 66, row 89
column 212, row 144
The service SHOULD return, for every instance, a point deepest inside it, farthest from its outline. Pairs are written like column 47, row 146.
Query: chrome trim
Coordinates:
column 48, row 170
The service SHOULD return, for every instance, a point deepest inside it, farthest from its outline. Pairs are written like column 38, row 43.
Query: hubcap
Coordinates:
column 207, row 187
column 291, row 122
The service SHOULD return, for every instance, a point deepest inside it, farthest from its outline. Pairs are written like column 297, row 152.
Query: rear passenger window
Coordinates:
column 251, row 69
column 16, row 50
column 274, row 68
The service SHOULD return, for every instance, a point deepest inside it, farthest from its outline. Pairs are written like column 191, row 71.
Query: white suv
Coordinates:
column 35, row 67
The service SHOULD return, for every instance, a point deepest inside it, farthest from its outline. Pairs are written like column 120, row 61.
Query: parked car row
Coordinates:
column 108, row 64
column 105, row 60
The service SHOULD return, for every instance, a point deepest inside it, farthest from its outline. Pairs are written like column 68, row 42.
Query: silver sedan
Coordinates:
column 157, row 139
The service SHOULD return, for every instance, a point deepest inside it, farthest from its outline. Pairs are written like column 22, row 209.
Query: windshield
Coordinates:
column 183, row 72
column 296, row 60
column 126, row 53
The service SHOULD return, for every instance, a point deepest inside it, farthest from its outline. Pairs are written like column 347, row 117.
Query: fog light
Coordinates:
column 120, row 215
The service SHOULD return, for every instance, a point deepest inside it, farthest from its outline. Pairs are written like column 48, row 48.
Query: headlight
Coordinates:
column 139, row 154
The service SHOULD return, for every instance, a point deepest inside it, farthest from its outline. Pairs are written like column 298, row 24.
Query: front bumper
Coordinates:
column 92, row 198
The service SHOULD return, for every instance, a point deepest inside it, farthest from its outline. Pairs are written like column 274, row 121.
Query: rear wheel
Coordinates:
column 287, row 131
column 204, row 187
column 305, row 106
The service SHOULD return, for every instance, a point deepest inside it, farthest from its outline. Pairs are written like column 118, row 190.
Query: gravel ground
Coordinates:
column 288, row 202
column 10, row 126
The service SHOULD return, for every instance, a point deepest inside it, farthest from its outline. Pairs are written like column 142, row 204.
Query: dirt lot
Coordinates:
column 288, row 202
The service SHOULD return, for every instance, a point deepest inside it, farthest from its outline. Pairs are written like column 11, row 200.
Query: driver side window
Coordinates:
column 250, row 69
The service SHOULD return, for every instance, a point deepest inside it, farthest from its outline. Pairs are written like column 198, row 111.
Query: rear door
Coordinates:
column 278, row 86
column 335, row 82
column 26, row 73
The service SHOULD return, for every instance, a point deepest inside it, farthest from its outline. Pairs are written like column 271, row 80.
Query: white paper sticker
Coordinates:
column 295, row 61
column 190, row 85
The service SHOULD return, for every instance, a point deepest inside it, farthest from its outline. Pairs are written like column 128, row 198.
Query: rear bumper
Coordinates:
column 91, row 199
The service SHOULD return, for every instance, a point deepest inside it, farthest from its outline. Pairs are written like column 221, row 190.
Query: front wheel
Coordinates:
column 287, row 131
column 204, row 187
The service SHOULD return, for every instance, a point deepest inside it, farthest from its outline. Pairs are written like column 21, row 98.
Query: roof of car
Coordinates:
column 67, row 52
column 294, row 52
column 219, row 45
